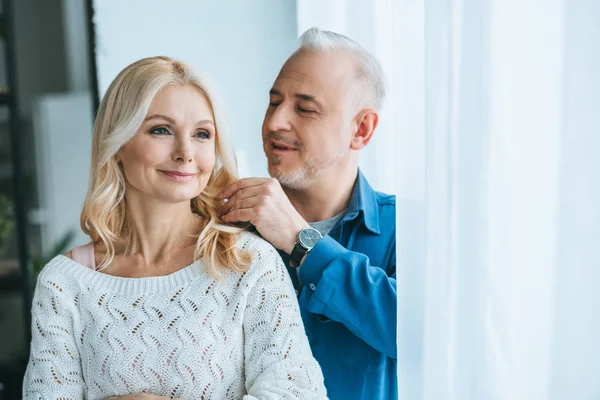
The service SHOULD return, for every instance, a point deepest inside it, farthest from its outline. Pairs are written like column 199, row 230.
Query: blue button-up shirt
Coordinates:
column 348, row 298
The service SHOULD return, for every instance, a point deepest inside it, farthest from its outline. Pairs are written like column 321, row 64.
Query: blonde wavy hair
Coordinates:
column 121, row 114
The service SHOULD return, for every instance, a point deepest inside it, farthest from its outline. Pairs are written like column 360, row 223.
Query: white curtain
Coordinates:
column 499, row 278
column 370, row 23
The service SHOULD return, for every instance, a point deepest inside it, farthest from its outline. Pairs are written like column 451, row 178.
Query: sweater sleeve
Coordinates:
column 278, row 359
column 54, row 368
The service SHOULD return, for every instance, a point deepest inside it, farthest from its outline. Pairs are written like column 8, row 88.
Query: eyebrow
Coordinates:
column 172, row 122
column 301, row 96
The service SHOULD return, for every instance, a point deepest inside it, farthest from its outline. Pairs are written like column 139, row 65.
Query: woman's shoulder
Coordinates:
column 71, row 261
column 56, row 270
column 256, row 245
column 265, row 257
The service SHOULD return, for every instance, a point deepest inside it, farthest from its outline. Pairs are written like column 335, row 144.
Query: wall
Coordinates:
column 240, row 44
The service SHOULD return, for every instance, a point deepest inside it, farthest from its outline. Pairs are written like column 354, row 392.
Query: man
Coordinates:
column 336, row 234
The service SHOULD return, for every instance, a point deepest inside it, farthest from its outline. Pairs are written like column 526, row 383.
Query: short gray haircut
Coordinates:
column 369, row 74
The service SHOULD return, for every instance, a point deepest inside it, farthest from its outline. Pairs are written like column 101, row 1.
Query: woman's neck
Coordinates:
column 158, row 230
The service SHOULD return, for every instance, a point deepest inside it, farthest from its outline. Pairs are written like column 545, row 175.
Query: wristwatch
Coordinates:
column 307, row 239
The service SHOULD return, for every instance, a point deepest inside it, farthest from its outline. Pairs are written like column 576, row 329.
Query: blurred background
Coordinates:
column 46, row 110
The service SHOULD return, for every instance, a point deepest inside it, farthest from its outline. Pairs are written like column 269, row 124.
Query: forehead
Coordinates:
column 181, row 101
column 322, row 74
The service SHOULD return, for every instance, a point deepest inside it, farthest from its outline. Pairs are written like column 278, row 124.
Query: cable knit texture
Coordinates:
column 183, row 335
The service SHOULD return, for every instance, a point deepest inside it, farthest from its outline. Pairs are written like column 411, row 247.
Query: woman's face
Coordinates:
column 172, row 155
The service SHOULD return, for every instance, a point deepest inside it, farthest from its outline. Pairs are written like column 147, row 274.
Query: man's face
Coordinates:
column 307, row 128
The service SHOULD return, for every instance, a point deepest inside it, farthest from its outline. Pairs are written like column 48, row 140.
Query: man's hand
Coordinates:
column 263, row 203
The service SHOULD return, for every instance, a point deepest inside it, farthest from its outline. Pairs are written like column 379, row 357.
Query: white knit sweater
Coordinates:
column 183, row 335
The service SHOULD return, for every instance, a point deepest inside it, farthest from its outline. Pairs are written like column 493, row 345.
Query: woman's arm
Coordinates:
column 54, row 368
column 278, row 359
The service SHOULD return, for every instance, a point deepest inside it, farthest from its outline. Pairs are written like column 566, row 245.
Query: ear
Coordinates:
column 366, row 122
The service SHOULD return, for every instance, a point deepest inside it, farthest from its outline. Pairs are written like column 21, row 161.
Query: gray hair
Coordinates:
column 370, row 74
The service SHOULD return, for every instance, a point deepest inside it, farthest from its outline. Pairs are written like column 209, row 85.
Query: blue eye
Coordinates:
column 203, row 135
column 159, row 131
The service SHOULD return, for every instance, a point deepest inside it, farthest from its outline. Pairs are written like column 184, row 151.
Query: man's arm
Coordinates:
column 346, row 288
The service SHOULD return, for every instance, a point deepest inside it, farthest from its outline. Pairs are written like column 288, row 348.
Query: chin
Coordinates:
column 277, row 170
column 279, row 165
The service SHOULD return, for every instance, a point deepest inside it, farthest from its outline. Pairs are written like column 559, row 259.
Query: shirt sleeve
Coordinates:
column 54, row 368
column 278, row 359
column 345, row 287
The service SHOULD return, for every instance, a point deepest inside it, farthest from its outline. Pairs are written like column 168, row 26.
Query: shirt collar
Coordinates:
column 363, row 203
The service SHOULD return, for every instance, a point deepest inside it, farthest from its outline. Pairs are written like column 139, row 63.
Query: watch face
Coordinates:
column 309, row 237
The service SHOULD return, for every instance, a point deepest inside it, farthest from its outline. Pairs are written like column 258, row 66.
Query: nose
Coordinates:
column 183, row 150
column 278, row 119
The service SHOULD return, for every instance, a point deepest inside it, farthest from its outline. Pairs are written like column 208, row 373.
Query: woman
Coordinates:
column 166, row 300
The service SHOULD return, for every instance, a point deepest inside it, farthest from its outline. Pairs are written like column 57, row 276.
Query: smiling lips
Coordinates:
column 281, row 147
column 179, row 176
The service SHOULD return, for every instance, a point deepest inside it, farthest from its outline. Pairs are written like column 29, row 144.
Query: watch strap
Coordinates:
column 297, row 253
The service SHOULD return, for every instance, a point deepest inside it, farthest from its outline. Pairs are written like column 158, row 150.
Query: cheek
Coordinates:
column 206, row 158
column 138, row 159
column 144, row 153
column 152, row 156
column 314, row 135
column 324, row 141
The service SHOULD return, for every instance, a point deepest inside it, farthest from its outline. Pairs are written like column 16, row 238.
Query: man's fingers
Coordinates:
column 248, row 202
column 239, row 185
column 234, row 201
column 239, row 215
